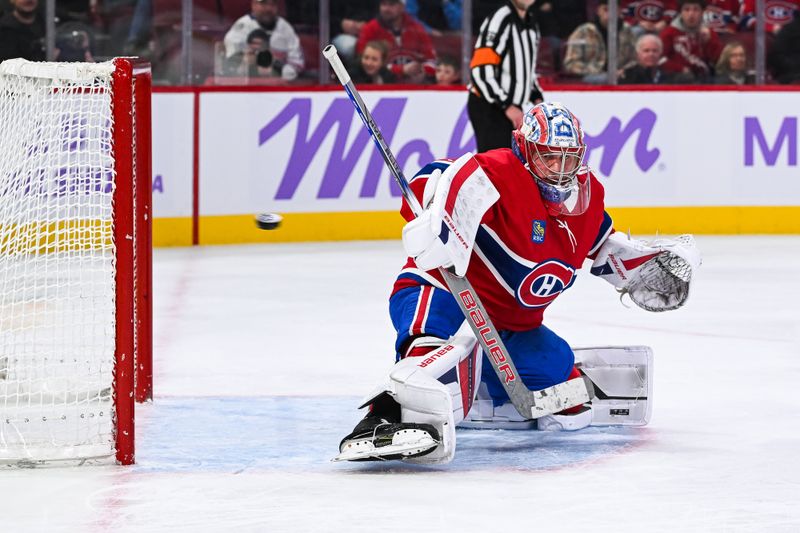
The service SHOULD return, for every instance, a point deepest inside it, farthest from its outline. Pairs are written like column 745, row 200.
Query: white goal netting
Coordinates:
column 57, row 262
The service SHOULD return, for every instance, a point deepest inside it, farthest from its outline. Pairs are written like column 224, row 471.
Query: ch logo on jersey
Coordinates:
column 544, row 283
column 780, row 13
column 649, row 11
column 538, row 231
column 714, row 17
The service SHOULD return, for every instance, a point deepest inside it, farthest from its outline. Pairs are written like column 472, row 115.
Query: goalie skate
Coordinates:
column 377, row 439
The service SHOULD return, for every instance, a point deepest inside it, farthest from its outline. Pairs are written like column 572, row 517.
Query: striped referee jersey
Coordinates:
column 504, row 60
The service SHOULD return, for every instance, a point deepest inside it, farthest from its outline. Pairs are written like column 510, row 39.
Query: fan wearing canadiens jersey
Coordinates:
column 528, row 218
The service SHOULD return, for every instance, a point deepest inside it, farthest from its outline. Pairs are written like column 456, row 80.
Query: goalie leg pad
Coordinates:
column 486, row 415
column 434, row 390
column 622, row 377
column 425, row 400
column 623, row 382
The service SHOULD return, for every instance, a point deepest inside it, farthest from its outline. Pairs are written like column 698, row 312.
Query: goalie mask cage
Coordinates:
column 75, row 259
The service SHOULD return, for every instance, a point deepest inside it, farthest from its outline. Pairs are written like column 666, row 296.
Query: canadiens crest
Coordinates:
column 649, row 10
column 779, row 12
column 544, row 283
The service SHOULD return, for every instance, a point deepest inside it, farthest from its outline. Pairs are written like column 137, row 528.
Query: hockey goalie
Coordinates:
column 518, row 223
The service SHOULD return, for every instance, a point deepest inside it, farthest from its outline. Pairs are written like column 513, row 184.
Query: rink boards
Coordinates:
column 718, row 162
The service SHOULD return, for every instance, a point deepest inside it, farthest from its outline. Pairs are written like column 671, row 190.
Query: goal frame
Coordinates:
column 131, row 87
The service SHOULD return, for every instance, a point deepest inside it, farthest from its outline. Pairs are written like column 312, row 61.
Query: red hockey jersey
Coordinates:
column 644, row 12
column 696, row 51
column 523, row 258
column 411, row 44
column 722, row 16
column 777, row 13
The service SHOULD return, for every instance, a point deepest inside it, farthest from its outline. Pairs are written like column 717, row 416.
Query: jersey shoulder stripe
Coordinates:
column 427, row 170
column 606, row 228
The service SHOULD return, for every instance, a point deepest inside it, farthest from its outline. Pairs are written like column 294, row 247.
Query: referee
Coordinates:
column 503, row 78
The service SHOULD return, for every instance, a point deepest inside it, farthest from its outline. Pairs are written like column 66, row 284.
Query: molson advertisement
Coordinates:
column 720, row 162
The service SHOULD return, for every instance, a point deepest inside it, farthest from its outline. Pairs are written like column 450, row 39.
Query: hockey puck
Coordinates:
column 268, row 220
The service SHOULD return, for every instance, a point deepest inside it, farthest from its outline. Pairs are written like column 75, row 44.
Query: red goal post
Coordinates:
column 75, row 259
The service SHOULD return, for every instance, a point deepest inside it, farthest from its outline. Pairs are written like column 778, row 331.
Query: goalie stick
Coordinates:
column 529, row 404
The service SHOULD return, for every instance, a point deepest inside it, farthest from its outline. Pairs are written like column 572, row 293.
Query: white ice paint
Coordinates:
column 263, row 351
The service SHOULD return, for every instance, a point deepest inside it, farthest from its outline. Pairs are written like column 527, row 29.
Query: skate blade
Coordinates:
column 405, row 443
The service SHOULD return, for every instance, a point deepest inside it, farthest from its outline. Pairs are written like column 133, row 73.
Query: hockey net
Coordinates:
column 74, row 259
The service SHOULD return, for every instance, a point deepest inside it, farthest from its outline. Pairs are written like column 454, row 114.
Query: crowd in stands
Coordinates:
column 416, row 41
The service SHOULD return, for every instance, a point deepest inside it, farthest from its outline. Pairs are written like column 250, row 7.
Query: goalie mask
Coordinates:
column 550, row 145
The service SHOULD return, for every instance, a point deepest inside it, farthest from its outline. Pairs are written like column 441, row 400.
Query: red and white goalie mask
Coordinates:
column 550, row 145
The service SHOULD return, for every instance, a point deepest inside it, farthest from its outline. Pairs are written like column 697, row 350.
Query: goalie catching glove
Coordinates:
column 455, row 201
column 655, row 275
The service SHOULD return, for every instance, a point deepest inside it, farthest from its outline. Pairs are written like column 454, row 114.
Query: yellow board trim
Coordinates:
column 172, row 231
column 711, row 220
column 374, row 225
column 299, row 227
column 61, row 236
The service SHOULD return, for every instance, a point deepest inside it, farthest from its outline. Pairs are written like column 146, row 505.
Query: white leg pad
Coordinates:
column 424, row 400
column 485, row 415
column 623, row 380
column 415, row 384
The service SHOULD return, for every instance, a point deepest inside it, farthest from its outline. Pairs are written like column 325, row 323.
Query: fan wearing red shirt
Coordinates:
column 690, row 47
column 722, row 16
column 648, row 16
column 411, row 55
column 777, row 13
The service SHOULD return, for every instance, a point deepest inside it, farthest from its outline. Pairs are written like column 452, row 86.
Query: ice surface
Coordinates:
column 262, row 353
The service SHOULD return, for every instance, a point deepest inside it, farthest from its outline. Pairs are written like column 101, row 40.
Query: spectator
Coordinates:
column 411, row 55
column 777, row 13
column 557, row 19
column 22, row 32
column 256, row 61
column 503, row 74
column 649, row 59
column 372, row 65
column 648, row 16
column 448, row 71
column 586, row 47
column 347, row 19
column 722, row 16
column 284, row 45
column 140, row 33
column 784, row 58
column 74, row 43
column 689, row 46
column 436, row 14
column 731, row 68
